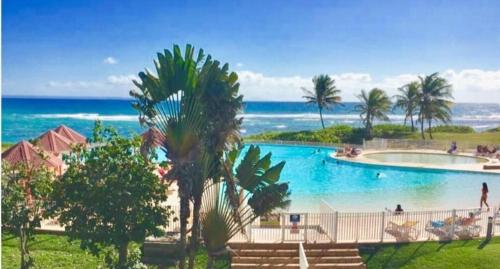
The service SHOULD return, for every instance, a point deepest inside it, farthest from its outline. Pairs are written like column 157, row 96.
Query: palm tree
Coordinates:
column 170, row 103
column 248, row 191
column 325, row 94
column 194, row 105
column 408, row 101
column 434, row 101
column 374, row 105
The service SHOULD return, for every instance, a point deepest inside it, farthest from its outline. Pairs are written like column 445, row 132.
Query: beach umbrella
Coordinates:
column 53, row 142
column 24, row 152
column 70, row 134
column 153, row 137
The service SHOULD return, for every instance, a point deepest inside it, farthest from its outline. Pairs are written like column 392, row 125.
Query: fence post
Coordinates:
column 336, row 223
column 250, row 231
column 306, row 227
column 382, row 227
column 282, row 227
column 453, row 220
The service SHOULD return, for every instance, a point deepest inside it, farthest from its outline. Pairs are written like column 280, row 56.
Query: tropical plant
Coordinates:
column 435, row 104
column 110, row 195
column 168, row 101
column 408, row 101
column 325, row 95
column 374, row 105
column 25, row 188
column 248, row 191
column 194, row 104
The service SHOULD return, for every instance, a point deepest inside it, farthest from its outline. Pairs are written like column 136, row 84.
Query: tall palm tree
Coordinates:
column 434, row 103
column 169, row 102
column 374, row 105
column 194, row 103
column 325, row 94
column 408, row 100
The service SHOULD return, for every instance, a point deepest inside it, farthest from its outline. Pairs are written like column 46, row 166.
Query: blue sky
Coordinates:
column 94, row 48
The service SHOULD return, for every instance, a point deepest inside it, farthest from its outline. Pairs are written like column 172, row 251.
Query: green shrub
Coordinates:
column 494, row 130
column 391, row 131
column 458, row 129
column 334, row 134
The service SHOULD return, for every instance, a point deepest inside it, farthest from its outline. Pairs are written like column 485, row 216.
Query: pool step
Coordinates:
column 286, row 255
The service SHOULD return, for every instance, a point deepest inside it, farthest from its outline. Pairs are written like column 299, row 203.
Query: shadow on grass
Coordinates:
column 483, row 244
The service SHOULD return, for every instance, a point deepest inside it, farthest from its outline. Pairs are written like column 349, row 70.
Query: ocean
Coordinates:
column 27, row 118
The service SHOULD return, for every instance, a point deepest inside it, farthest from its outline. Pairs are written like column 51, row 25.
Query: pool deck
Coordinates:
column 476, row 167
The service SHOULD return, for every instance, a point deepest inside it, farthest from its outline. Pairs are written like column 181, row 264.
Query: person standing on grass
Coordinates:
column 484, row 196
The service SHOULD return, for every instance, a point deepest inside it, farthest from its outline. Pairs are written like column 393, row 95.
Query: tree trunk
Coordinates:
column 122, row 255
column 210, row 262
column 412, row 126
column 422, row 126
column 25, row 255
column 321, row 117
column 184, row 215
column 430, row 131
column 195, row 231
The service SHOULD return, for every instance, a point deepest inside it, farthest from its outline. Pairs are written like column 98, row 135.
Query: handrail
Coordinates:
column 303, row 263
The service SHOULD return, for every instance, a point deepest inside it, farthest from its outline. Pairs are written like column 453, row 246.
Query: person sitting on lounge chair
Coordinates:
column 353, row 153
column 453, row 148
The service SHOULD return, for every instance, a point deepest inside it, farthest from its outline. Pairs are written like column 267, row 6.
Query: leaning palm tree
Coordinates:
column 434, row 101
column 374, row 105
column 408, row 101
column 325, row 95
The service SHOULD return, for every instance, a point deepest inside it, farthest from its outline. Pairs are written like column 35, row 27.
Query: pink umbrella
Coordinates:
column 53, row 142
column 24, row 152
column 70, row 134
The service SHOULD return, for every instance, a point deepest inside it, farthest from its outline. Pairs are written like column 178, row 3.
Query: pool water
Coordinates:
column 314, row 176
column 423, row 158
column 356, row 187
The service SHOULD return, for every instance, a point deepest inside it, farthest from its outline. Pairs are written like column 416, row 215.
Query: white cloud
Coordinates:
column 239, row 64
column 110, row 60
column 470, row 85
column 121, row 79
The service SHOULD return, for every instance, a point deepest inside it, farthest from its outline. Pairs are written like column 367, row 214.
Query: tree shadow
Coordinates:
column 483, row 244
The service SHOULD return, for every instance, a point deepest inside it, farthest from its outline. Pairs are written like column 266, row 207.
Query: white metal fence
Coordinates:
column 372, row 227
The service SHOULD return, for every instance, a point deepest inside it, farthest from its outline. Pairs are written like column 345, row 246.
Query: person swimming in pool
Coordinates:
column 378, row 175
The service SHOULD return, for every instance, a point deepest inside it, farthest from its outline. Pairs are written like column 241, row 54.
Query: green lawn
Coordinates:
column 55, row 252
column 457, row 254
column 49, row 251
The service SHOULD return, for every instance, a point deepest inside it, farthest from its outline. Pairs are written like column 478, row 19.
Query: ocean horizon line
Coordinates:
column 131, row 99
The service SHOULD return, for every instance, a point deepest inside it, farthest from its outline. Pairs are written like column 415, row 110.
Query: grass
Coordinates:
column 49, row 251
column 346, row 134
column 456, row 254
column 5, row 146
column 54, row 251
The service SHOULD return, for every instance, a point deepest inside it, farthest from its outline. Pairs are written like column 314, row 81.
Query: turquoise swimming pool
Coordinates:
column 314, row 175
column 356, row 186
column 423, row 158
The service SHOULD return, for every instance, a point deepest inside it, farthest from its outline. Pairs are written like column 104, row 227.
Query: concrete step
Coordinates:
column 295, row 253
column 295, row 260
column 290, row 246
column 289, row 266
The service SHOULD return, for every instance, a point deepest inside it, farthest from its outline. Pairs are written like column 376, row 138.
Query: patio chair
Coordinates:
column 403, row 230
column 442, row 229
column 467, row 228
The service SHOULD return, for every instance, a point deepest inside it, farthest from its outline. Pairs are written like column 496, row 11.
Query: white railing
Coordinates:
column 303, row 264
column 373, row 227
column 303, row 143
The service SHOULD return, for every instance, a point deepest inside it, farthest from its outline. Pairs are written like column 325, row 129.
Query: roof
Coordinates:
column 53, row 142
column 25, row 152
column 70, row 134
